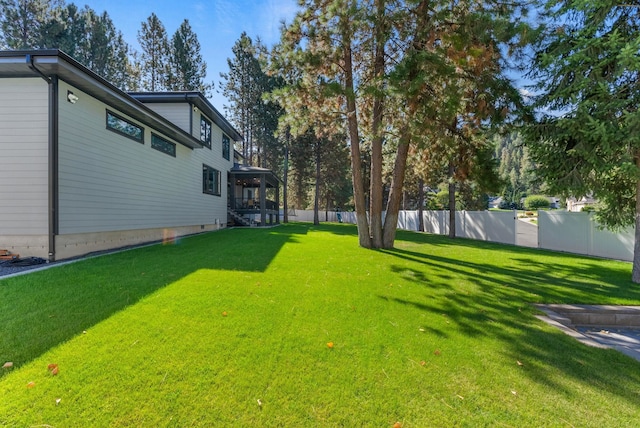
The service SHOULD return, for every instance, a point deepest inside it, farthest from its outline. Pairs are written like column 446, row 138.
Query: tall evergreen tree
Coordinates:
column 269, row 143
column 444, row 79
column 516, row 169
column 107, row 53
column 22, row 22
column 335, row 189
column 120, row 69
column 154, row 63
column 301, row 165
column 187, row 69
column 242, row 90
column 245, row 86
column 588, row 66
column 67, row 30
column 90, row 38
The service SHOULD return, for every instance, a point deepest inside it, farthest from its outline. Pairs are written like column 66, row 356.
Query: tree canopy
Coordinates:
column 154, row 67
column 585, row 141
column 187, row 69
column 92, row 39
column 397, row 74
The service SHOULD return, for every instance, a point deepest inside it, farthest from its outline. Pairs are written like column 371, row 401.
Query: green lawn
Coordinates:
column 232, row 329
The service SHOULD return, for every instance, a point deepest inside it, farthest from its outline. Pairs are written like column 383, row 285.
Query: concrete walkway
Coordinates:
column 601, row 326
column 526, row 234
column 625, row 340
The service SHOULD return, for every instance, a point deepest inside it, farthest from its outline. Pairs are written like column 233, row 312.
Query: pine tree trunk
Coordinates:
column 452, row 202
column 326, row 208
column 376, row 142
column 400, row 165
column 364, row 238
column 285, row 180
column 395, row 194
column 635, row 273
column 421, row 205
column 316, row 198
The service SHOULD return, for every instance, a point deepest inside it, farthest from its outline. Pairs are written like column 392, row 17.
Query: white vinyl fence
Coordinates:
column 578, row 233
column 557, row 230
column 495, row 226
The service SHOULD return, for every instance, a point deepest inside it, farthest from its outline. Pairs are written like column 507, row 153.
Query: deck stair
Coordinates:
column 6, row 255
column 236, row 219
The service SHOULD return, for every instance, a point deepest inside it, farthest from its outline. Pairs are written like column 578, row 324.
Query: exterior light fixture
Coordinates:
column 72, row 98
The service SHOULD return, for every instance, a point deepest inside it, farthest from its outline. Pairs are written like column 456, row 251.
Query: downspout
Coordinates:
column 53, row 156
column 191, row 107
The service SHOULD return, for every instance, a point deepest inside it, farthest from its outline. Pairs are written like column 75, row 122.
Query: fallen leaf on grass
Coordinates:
column 330, row 345
column 259, row 402
column 514, row 392
column 422, row 363
column 397, row 425
column 31, row 385
column 519, row 363
column 53, row 369
column 437, row 352
column 224, row 314
column 7, row 365
column 58, row 400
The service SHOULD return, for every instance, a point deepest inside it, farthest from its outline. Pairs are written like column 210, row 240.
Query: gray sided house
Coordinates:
column 86, row 167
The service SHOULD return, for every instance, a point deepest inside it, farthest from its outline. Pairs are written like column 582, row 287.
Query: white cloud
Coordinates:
column 272, row 14
column 526, row 93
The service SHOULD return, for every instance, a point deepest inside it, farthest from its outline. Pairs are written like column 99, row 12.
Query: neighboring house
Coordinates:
column 85, row 166
column 577, row 205
column 495, row 201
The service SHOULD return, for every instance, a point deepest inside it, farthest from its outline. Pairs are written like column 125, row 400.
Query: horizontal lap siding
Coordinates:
column 24, row 158
column 108, row 182
column 177, row 113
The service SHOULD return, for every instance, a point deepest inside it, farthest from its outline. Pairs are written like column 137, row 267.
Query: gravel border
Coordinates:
column 8, row 270
column 12, row 271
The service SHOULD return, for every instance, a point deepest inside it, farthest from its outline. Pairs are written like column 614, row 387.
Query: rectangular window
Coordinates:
column 210, row 180
column 163, row 145
column 205, row 131
column 122, row 126
column 226, row 147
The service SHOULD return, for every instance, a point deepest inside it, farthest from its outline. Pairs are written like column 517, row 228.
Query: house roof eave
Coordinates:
column 244, row 171
column 52, row 62
column 196, row 99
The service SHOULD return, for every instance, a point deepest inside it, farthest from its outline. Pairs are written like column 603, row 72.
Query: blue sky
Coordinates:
column 218, row 24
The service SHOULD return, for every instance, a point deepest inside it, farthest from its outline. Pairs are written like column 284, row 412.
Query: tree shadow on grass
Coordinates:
column 492, row 296
column 562, row 279
column 500, row 308
column 42, row 309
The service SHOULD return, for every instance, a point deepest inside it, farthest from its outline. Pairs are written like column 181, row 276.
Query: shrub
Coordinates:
column 535, row 202
column 507, row 205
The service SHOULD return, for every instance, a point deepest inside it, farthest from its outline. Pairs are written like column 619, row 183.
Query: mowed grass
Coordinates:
column 232, row 329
